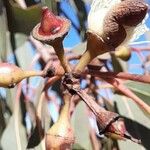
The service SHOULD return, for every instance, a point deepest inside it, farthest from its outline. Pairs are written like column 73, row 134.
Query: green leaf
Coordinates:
column 77, row 147
column 81, row 12
column 35, row 137
column 23, row 19
column 10, row 96
column 142, row 90
column 136, row 122
column 118, row 64
column 24, row 55
column 8, row 140
column 108, row 104
column 80, row 123
column 20, row 39
column 51, row 4
column 3, row 29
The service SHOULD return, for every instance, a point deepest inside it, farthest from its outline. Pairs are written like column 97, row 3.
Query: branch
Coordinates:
column 127, row 92
column 120, row 75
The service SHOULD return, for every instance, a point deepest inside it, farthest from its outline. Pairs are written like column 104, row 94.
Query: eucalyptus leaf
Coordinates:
column 80, row 123
column 36, row 137
column 118, row 64
column 77, row 147
column 8, row 140
column 23, row 19
column 82, row 16
column 20, row 39
column 3, row 29
column 142, row 90
column 136, row 122
column 24, row 55
column 42, row 123
column 10, row 96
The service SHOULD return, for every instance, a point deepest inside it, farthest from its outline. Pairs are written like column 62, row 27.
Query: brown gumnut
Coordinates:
column 126, row 13
column 131, row 12
column 52, row 30
column 49, row 23
column 51, row 27
column 117, row 131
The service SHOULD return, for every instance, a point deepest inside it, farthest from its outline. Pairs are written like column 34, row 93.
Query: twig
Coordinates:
column 120, row 75
column 127, row 92
column 141, row 48
column 16, row 116
column 139, row 54
column 39, row 118
column 41, row 49
column 73, row 57
column 49, row 83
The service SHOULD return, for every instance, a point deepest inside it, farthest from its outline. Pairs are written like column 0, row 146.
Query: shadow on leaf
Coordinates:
column 138, row 131
column 36, row 136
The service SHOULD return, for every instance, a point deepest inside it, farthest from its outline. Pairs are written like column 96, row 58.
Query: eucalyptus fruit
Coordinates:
column 10, row 75
column 52, row 30
column 110, row 25
column 109, row 123
column 117, row 131
column 123, row 52
column 60, row 135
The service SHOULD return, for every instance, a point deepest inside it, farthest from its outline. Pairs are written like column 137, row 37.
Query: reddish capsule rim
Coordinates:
column 46, row 38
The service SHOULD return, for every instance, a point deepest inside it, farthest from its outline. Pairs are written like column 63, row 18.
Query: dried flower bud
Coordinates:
column 109, row 123
column 117, row 130
column 105, row 119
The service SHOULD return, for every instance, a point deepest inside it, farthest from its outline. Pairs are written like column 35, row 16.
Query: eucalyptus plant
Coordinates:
column 112, row 25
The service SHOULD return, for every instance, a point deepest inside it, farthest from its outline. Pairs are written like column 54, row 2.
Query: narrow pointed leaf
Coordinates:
column 142, row 90
column 8, row 140
column 3, row 29
column 80, row 123
column 136, row 122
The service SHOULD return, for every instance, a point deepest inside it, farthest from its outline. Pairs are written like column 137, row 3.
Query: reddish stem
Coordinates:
column 121, row 75
column 141, row 49
column 127, row 92
column 16, row 115
column 48, row 84
column 139, row 54
column 73, row 57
